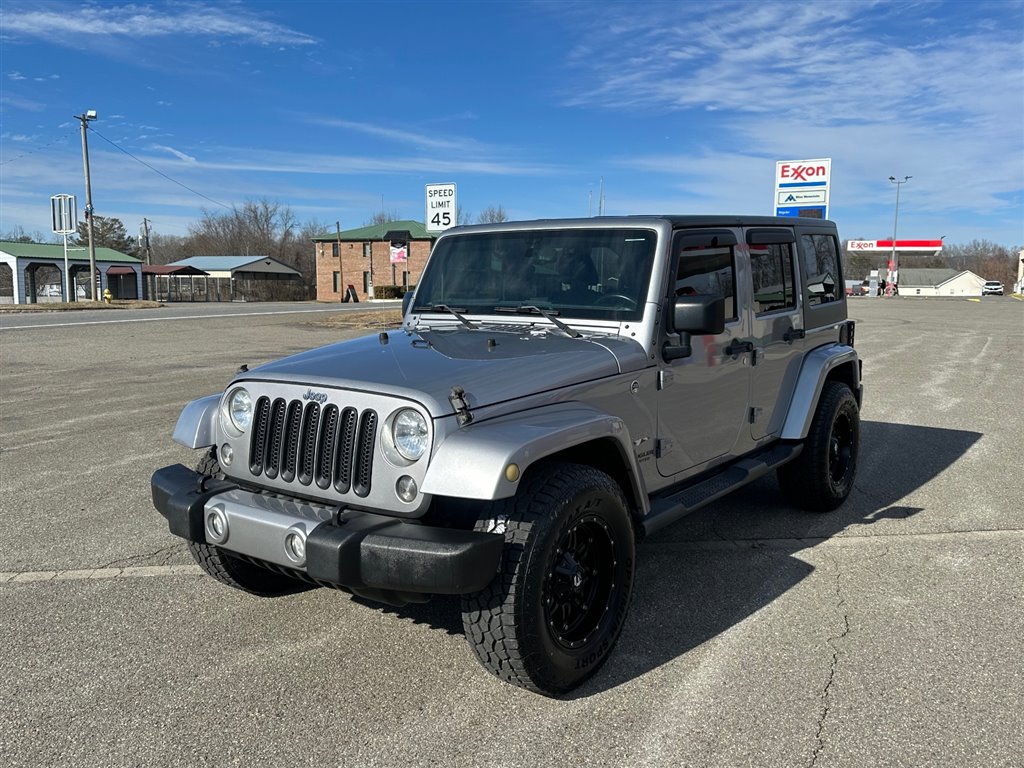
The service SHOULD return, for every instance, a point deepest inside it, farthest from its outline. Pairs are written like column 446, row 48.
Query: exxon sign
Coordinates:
column 801, row 188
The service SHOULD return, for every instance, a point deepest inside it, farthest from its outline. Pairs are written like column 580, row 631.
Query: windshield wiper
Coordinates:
column 530, row 309
column 450, row 310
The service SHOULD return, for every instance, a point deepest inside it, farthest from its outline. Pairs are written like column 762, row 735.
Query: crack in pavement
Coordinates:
column 24, row 577
column 161, row 555
column 833, row 643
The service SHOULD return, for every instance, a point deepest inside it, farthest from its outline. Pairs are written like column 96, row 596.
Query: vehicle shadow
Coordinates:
column 713, row 569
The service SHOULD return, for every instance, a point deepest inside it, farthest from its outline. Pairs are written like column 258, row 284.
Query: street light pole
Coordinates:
column 893, row 264
column 84, row 118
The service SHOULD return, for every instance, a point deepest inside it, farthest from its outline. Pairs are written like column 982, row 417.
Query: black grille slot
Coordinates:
column 346, row 447
column 310, row 424
column 272, row 456
column 258, row 447
column 293, row 424
column 364, row 465
column 308, row 443
column 325, row 449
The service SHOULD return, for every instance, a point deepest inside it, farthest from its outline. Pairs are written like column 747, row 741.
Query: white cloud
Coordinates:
column 399, row 136
column 173, row 151
column 74, row 26
column 15, row 76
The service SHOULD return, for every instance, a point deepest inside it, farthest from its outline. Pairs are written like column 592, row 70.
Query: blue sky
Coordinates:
column 331, row 107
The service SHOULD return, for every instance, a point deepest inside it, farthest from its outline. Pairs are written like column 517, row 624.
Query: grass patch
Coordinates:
column 78, row 306
column 374, row 319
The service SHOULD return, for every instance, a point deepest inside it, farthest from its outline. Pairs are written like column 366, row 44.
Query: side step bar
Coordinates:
column 667, row 509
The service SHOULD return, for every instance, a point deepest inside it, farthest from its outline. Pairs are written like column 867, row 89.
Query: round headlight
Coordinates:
column 240, row 409
column 409, row 431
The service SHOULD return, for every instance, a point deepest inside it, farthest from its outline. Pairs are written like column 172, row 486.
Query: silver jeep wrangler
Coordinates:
column 558, row 390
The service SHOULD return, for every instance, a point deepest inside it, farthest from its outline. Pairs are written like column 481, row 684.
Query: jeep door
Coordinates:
column 776, row 327
column 702, row 399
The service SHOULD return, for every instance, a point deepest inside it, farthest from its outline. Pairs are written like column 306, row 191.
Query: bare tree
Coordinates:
column 19, row 235
column 166, row 248
column 383, row 217
column 985, row 259
column 492, row 215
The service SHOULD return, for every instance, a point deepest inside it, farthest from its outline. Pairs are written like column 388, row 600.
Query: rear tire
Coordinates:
column 822, row 476
column 231, row 570
column 551, row 616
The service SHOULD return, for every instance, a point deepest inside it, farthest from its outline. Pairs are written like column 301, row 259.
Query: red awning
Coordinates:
column 120, row 271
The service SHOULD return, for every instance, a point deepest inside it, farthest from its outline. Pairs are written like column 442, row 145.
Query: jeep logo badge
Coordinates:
column 316, row 397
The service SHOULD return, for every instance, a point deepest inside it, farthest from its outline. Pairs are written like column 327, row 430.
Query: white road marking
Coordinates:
column 136, row 572
column 180, row 317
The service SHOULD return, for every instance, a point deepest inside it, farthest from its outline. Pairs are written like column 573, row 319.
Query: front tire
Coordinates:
column 822, row 476
column 232, row 571
column 551, row 616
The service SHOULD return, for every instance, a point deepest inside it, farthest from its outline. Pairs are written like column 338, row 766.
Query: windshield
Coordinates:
column 599, row 274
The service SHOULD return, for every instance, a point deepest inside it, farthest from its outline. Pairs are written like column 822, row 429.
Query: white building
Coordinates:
column 939, row 282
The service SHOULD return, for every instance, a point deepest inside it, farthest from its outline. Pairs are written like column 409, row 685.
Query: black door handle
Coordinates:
column 738, row 347
column 794, row 333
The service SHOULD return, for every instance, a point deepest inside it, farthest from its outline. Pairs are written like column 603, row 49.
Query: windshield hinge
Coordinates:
column 458, row 400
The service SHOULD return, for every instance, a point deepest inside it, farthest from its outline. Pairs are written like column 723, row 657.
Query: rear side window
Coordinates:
column 708, row 271
column 820, row 262
column 772, row 272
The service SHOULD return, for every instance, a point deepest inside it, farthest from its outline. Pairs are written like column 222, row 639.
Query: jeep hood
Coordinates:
column 491, row 366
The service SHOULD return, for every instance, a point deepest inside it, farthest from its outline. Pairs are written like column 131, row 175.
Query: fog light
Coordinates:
column 406, row 488
column 295, row 545
column 216, row 526
column 226, row 455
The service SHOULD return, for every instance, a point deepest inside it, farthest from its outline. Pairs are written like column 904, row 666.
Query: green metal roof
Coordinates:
column 75, row 253
column 377, row 231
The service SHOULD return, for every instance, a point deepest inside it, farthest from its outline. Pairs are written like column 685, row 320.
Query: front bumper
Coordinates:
column 369, row 554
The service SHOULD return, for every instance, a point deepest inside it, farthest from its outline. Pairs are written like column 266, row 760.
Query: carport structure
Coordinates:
column 36, row 269
column 165, row 282
column 234, row 278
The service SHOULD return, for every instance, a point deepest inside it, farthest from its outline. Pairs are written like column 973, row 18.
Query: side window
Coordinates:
column 772, row 272
column 820, row 262
column 708, row 271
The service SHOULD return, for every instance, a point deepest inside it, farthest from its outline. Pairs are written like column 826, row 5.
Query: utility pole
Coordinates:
column 145, row 239
column 342, row 288
column 893, row 263
column 84, row 118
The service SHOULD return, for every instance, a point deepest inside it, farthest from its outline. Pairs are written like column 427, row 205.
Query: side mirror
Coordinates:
column 701, row 315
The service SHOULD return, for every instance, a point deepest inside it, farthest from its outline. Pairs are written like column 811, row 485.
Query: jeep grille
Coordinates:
column 310, row 443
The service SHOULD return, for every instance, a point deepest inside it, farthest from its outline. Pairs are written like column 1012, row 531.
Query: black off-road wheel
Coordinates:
column 822, row 476
column 231, row 570
column 556, row 607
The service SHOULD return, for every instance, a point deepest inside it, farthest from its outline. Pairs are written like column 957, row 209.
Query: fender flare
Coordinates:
column 815, row 371
column 472, row 462
column 197, row 422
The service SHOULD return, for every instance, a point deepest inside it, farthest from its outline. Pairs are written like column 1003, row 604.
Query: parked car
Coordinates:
column 558, row 391
column 992, row 288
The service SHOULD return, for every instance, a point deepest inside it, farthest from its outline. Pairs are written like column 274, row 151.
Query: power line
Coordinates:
column 161, row 173
column 34, row 151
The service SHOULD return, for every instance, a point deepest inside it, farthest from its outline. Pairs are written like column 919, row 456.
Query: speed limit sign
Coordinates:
column 441, row 211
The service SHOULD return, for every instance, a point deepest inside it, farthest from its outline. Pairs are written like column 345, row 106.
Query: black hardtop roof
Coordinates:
column 677, row 221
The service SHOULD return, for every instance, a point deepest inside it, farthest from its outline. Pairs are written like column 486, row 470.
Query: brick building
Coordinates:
column 344, row 259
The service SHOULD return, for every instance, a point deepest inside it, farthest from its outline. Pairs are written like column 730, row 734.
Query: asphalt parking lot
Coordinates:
column 888, row 633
